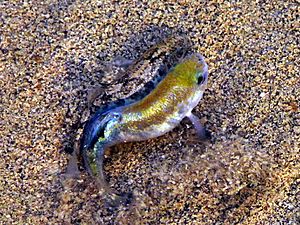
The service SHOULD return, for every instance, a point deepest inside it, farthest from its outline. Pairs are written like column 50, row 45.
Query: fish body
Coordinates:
column 139, row 79
column 163, row 109
column 155, row 114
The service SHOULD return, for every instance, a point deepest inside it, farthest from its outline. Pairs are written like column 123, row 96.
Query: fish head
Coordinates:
column 192, row 71
column 201, row 68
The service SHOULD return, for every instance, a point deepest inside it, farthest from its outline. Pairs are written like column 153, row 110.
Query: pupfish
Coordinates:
column 155, row 114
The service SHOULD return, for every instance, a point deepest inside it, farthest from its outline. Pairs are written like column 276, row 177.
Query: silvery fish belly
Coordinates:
column 172, row 100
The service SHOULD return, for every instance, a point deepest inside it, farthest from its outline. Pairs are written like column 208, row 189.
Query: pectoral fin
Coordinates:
column 202, row 133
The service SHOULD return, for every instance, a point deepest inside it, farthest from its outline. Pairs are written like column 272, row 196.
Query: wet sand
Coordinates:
column 51, row 55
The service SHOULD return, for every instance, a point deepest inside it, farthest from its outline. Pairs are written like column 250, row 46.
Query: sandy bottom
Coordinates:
column 51, row 55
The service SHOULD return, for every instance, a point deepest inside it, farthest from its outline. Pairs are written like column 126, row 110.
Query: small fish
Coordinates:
column 157, row 113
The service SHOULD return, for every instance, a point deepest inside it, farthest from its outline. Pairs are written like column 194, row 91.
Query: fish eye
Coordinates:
column 201, row 78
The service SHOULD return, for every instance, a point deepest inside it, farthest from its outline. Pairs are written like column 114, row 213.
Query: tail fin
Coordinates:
column 93, row 160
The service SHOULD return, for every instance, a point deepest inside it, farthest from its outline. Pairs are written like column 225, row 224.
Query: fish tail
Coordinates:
column 93, row 160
